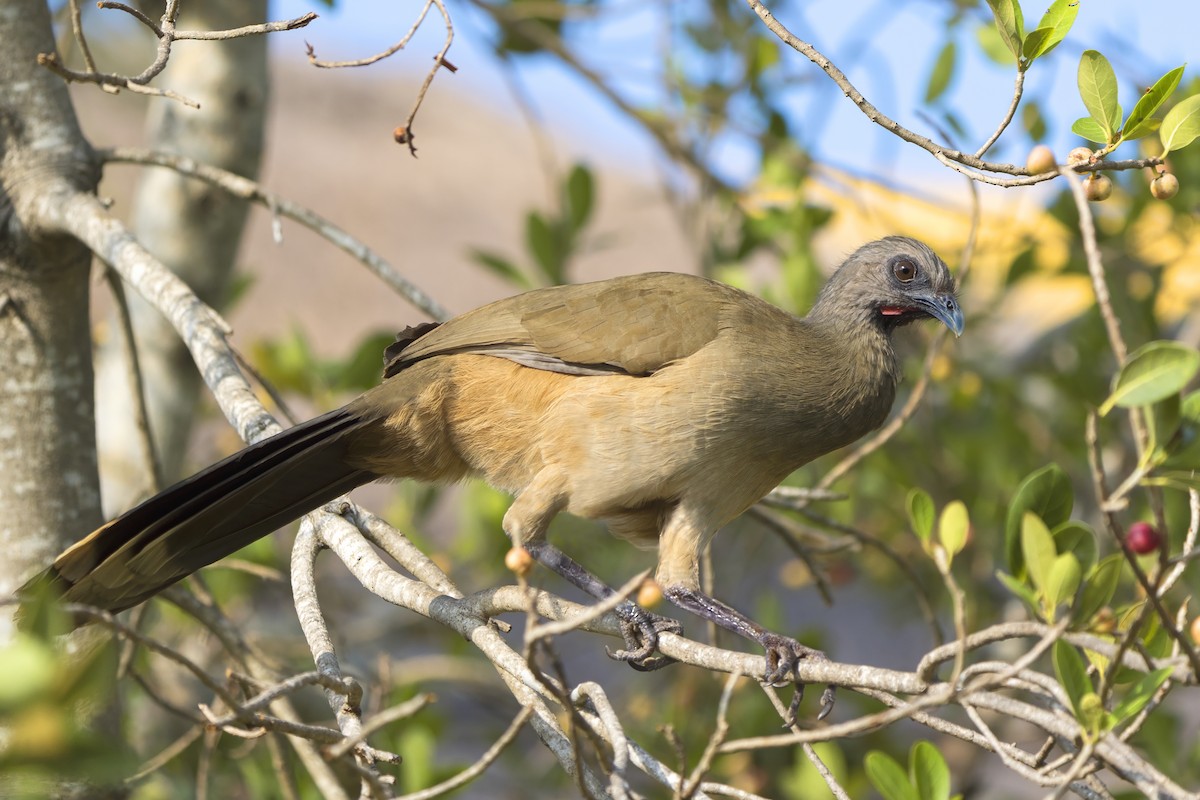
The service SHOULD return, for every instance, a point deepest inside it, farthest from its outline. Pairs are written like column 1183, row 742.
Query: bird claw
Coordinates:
column 783, row 656
column 641, row 632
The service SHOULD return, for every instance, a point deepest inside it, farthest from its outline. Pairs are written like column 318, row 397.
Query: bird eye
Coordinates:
column 904, row 270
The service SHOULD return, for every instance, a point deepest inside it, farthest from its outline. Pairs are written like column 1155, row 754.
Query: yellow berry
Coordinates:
column 1098, row 187
column 518, row 560
column 1165, row 186
column 650, row 594
column 1041, row 159
column 1079, row 155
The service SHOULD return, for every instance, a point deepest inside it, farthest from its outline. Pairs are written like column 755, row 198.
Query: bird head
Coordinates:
column 892, row 282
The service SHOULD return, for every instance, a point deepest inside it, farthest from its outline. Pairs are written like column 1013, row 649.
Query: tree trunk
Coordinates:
column 49, row 492
column 193, row 228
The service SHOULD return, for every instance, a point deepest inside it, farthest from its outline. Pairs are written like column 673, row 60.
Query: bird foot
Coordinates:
column 641, row 630
column 783, row 656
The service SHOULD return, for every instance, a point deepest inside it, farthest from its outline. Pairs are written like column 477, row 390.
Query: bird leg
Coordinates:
column 783, row 653
column 639, row 627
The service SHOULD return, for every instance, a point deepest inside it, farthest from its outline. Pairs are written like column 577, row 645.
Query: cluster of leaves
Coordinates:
column 927, row 776
column 1098, row 88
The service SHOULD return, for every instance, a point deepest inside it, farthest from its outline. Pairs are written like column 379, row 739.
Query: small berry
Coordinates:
column 518, row 560
column 1079, row 155
column 1165, row 186
column 1142, row 538
column 1196, row 630
column 1041, row 159
column 650, row 594
column 1098, row 187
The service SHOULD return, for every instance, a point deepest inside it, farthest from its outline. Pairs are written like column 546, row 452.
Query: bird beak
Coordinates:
column 943, row 307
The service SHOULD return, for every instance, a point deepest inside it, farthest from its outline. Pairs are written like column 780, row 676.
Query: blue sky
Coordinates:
column 886, row 47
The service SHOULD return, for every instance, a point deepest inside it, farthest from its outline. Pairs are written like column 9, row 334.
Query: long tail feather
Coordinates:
column 209, row 515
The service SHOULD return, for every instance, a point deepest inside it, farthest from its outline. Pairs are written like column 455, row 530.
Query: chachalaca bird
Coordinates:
column 663, row 404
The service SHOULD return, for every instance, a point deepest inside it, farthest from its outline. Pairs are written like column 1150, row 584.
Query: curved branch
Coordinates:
column 942, row 152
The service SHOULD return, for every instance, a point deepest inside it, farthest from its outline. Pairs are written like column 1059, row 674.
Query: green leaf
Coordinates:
column 541, row 241
column 1033, row 121
column 1020, row 589
column 580, row 196
column 1089, row 129
column 1140, row 694
column 1062, row 582
column 1057, row 22
column 1072, row 674
column 1098, row 88
column 943, row 71
column 1078, row 538
column 1035, row 42
column 502, row 267
column 992, row 44
column 1141, row 116
column 953, row 526
column 1099, row 588
column 888, row 777
column 920, row 514
column 1037, row 545
column 1181, row 125
column 1153, row 372
column 30, row 670
column 1010, row 23
column 1047, row 493
column 1163, row 424
column 929, row 772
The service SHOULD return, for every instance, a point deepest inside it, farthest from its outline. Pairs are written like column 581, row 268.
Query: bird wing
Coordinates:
column 634, row 325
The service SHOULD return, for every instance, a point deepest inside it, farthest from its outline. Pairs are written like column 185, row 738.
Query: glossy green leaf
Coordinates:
column 1009, row 23
column 1072, row 674
column 1140, row 694
column 1037, row 546
column 1181, row 125
column 920, row 514
column 1099, row 588
column 1140, row 122
column 1055, row 23
column 942, row 73
column 1098, row 89
column 928, row 771
column 1079, row 539
column 1047, row 493
column 953, row 527
column 1089, row 129
column 1063, row 581
column 580, row 196
column 1153, row 372
column 1035, row 43
column 888, row 777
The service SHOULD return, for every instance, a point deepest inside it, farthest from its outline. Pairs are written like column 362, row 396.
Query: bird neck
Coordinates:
column 863, row 342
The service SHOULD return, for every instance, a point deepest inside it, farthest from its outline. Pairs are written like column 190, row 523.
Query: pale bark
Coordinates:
column 190, row 226
column 49, row 493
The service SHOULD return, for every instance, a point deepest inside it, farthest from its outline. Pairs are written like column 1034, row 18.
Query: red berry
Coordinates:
column 1142, row 538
